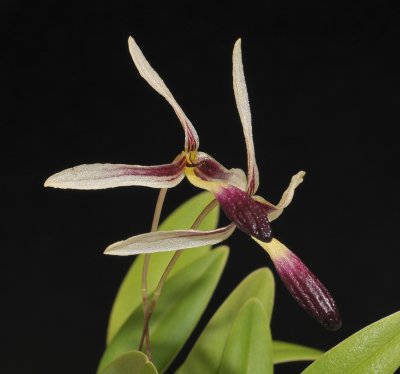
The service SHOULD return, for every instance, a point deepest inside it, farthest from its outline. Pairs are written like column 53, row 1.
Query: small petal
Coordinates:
column 242, row 102
column 304, row 286
column 161, row 241
column 289, row 193
column 248, row 215
column 100, row 176
column 286, row 199
column 155, row 81
column 208, row 174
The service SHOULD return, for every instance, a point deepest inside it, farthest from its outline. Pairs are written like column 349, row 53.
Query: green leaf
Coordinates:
column 374, row 349
column 183, row 300
column 131, row 363
column 206, row 354
column 248, row 346
column 129, row 295
column 288, row 352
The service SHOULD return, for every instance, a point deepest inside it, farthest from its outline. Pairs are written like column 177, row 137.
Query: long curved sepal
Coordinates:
column 100, row 176
column 304, row 286
column 154, row 80
column 242, row 103
column 162, row 241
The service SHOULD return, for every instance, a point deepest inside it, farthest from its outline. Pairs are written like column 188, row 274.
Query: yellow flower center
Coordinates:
column 194, row 175
column 191, row 159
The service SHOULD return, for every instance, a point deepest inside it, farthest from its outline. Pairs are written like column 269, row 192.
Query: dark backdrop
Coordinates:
column 324, row 91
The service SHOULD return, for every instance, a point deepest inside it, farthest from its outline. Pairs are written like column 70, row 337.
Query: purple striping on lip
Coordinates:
column 308, row 290
column 209, row 170
column 248, row 215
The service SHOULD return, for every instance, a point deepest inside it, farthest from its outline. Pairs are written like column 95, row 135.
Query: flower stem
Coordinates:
column 167, row 271
column 154, row 226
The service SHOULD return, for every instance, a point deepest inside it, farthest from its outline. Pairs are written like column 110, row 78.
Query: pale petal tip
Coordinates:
column 299, row 177
column 112, row 249
column 301, row 173
column 237, row 48
column 108, row 251
column 50, row 182
column 131, row 40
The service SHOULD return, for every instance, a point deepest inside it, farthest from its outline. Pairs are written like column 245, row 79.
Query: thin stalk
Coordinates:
column 167, row 271
column 146, row 262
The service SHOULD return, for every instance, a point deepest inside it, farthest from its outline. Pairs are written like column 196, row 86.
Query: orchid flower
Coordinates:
column 234, row 192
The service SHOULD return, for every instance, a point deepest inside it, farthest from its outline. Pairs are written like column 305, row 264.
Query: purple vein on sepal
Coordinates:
column 168, row 170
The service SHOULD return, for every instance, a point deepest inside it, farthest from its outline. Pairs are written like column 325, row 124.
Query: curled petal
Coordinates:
column 207, row 173
column 155, row 81
column 287, row 197
column 289, row 192
column 100, row 176
column 162, row 241
column 242, row 102
column 304, row 286
column 248, row 215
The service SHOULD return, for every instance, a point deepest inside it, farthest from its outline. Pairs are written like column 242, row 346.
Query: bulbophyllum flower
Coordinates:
column 234, row 192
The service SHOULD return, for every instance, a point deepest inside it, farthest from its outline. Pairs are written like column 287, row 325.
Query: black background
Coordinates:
column 324, row 90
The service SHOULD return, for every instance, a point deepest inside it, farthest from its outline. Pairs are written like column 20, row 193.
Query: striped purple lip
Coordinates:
column 307, row 290
column 248, row 215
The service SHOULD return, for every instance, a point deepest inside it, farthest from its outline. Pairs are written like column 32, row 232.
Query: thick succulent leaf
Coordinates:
column 164, row 241
column 206, row 354
column 182, row 302
column 288, row 352
column 155, row 81
column 248, row 346
column 131, row 363
column 242, row 102
column 100, row 176
column 129, row 294
column 374, row 349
